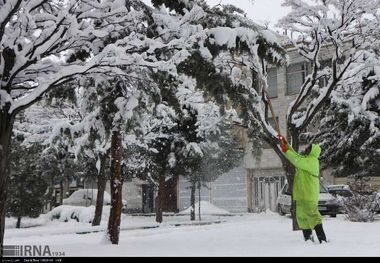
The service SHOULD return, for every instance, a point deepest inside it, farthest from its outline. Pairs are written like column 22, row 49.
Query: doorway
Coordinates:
column 265, row 192
column 147, row 198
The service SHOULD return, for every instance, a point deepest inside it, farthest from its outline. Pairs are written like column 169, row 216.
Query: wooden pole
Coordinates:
column 277, row 126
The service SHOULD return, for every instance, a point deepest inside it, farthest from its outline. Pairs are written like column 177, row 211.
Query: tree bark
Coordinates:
column 18, row 224
column 6, row 124
column 199, row 201
column 102, row 181
column 116, row 188
column 290, row 171
column 61, row 192
column 192, row 202
column 50, row 200
column 160, row 199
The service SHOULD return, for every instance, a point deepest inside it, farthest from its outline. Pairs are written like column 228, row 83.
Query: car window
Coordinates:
column 323, row 189
column 341, row 192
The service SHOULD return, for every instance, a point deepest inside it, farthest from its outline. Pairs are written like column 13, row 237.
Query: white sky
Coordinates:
column 258, row 10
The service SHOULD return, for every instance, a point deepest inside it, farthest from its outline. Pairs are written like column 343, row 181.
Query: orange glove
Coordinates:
column 283, row 143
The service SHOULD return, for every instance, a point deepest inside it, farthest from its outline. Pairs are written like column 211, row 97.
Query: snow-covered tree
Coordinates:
column 344, row 28
column 27, row 184
column 36, row 37
column 197, row 119
column 41, row 124
column 94, row 129
column 350, row 129
column 163, row 133
column 362, row 205
column 224, row 153
column 45, row 44
column 347, row 30
column 241, row 73
column 203, row 138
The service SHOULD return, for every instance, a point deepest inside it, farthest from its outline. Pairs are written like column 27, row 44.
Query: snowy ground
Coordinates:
column 240, row 235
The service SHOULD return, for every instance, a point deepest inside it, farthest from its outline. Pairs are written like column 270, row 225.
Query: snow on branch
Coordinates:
column 343, row 29
column 45, row 44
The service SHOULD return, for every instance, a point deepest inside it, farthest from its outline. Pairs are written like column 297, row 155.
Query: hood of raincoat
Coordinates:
column 315, row 151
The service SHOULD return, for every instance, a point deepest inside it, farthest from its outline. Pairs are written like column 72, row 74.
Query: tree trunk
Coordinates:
column 50, row 202
column 66, row 187
column 160, row 199
column 18, row 224
column 61, row 192
column 116, row 188
column 199, row 201
column 192, row 202
column 6, row 124
column 289, row 171
column 102, row 181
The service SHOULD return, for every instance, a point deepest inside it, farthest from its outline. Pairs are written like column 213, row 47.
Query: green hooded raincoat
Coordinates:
column 306, row 186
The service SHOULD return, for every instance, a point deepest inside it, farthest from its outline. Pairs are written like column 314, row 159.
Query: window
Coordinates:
column 272, row 83
column 324, row 80
column 296, row 75
column 322, row 189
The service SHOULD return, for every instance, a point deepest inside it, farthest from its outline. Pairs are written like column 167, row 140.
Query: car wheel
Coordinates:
column 334, row 215
column 279, row 210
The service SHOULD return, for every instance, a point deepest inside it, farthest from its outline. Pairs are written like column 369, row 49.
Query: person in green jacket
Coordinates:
column 306, row 189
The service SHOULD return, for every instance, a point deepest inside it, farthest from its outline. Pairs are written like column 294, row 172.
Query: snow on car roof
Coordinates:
column 84, row 193
column 338, row 187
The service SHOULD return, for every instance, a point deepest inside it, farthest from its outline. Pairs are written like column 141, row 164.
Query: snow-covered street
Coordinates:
column 266, row 234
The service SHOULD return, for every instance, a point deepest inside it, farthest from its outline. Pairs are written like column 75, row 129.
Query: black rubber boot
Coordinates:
column 320, row 233
column 308, row 235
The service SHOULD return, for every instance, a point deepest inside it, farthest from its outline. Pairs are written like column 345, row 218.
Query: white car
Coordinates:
column 87, row 197
column 328, row 205
column 341, row 190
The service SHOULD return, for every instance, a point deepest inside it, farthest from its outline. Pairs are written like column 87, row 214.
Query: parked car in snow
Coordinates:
column 339, row 190
column 328, row 205
column 87, row 197
column 343, row 191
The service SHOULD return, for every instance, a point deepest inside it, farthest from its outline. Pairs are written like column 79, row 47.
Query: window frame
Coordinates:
column 304, row 70
column 276, row 85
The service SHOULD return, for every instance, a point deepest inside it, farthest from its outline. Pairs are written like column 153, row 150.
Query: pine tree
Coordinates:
column 222, row 153
column 26, row 195
column 349, row 131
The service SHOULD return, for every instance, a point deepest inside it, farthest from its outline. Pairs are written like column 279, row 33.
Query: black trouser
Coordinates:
column 318, row 230
column 307, row 234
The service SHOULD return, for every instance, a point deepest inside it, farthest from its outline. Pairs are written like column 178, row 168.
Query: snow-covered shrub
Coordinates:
column 362, row 205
